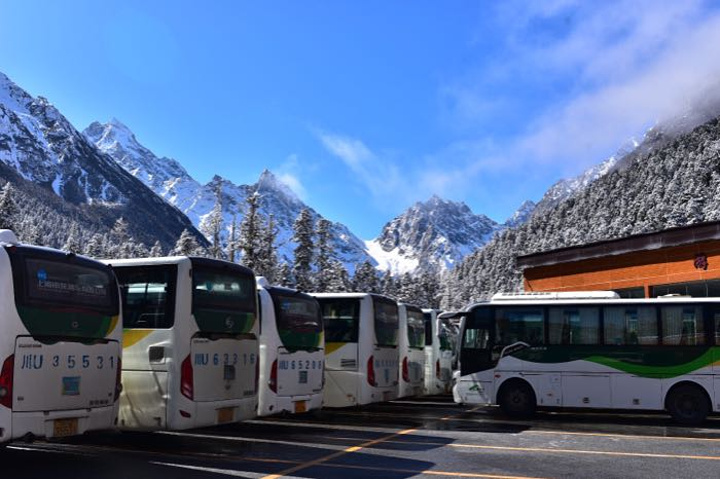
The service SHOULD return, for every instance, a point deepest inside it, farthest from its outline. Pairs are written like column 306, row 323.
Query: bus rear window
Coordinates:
column 51, row 283
column 341, row 319
column 223, row 301
column 415, row 328
column 386, row 321
column 148, row 296
column 298, row 319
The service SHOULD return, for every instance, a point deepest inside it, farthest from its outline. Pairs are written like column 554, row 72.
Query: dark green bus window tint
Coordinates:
column 630, row 325
column 574, row 325
column 386, row 321
column 682, row 325
column 415, row 328
column 427, row 317
column 341, row 319
column 524, row 324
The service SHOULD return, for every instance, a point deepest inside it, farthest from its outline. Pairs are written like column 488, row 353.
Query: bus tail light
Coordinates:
column 273, row 377
column 118, row 382
column 186, row 378
column 437, row 368
column 257, row 374
column 405, row 370
column 371, row 371
column 6, row 381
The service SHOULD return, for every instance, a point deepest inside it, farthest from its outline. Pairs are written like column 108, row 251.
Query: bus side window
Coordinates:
column 625, row 325
column 574, row 325
column 683, row 325
column 520, row 324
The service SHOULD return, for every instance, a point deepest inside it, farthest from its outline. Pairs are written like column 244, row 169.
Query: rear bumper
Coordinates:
column 41, row 423
column 205, row 414
column 287, row 404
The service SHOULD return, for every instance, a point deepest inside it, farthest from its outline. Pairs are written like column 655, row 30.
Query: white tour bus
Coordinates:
column 440, row 341
column 190, row 345
column 292, row 351
column 592, row 350
column 361, row 348
column 60, row 342
column 411, row 344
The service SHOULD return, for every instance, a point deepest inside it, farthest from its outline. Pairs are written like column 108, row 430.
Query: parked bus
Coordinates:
column 361, row 348
column 440, row 342
column 411, row 344
column 190, row 345
column 592, row 350
column 60, row 342
column 292, row 351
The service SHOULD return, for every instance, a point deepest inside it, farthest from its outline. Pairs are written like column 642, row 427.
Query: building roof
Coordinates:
column 668, row 238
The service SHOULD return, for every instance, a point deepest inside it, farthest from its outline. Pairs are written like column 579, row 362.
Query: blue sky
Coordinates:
column 365, row 107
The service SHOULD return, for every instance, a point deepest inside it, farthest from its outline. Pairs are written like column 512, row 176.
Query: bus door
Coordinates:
column 477, row 356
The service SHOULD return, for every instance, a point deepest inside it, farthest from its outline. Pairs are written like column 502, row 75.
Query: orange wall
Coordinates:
column 642, row 268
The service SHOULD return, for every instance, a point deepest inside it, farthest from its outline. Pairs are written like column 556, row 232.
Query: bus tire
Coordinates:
column 517, row 399
column 688, row 404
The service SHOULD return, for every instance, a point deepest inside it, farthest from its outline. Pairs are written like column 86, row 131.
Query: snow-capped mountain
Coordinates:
column 168, row 179
column 41, row 146
column 432, row 234
column 521, row 215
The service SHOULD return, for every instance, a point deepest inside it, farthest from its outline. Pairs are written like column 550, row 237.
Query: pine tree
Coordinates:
column 157, row 250
column 250, row 229
column 284, row 276
column 186, row 245
column 232, row 241
column 95, row 248
column 8, row 207
column 267, row 256
column 73, row 243
column 303, row 236
column 366, row 279
column 212, row 225
column 323, row 256
column 338, row 278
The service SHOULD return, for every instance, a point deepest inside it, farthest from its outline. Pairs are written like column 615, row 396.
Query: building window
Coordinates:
column 630, row 293
column 697, row 289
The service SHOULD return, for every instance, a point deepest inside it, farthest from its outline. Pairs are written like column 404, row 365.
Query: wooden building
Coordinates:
column 684, row 260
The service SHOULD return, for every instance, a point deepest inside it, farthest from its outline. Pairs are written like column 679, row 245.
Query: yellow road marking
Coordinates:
column 628, row 436
column 581, row 451
column 332, row 456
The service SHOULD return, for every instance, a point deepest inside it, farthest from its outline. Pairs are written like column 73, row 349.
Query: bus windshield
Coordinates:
column 386, row 321
column 448, row 336
column 298, row 319
column 415, row 328
column 223, row 300
column 61, row 295
column 341, row 318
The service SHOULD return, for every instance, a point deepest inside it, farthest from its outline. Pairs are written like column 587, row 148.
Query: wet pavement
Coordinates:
column 422, row 437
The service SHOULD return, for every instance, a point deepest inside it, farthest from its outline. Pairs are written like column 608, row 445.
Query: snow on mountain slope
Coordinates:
column 41, row 146
column 432, row 234
column 172, row 182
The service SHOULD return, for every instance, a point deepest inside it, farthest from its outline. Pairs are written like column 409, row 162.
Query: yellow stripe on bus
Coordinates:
column 132, row 336
column 332, row 347
column 113, row 323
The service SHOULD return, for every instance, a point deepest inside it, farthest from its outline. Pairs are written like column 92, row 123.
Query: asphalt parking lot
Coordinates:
column 424, row 437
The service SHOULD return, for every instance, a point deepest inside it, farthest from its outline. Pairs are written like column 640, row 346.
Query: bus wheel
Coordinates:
column 517, row 399
column 688, row 404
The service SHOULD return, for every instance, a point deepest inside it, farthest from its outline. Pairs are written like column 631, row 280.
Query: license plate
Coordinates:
column 300, row 407
column 65, row 427
column 226, row 414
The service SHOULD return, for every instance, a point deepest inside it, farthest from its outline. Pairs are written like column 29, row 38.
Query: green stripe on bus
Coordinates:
column 42, row 322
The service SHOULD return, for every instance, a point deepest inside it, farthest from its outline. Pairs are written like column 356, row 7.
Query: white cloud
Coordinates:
column 289, row 173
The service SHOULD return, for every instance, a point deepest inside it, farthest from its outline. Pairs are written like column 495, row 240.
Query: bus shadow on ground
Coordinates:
column 233, row 450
